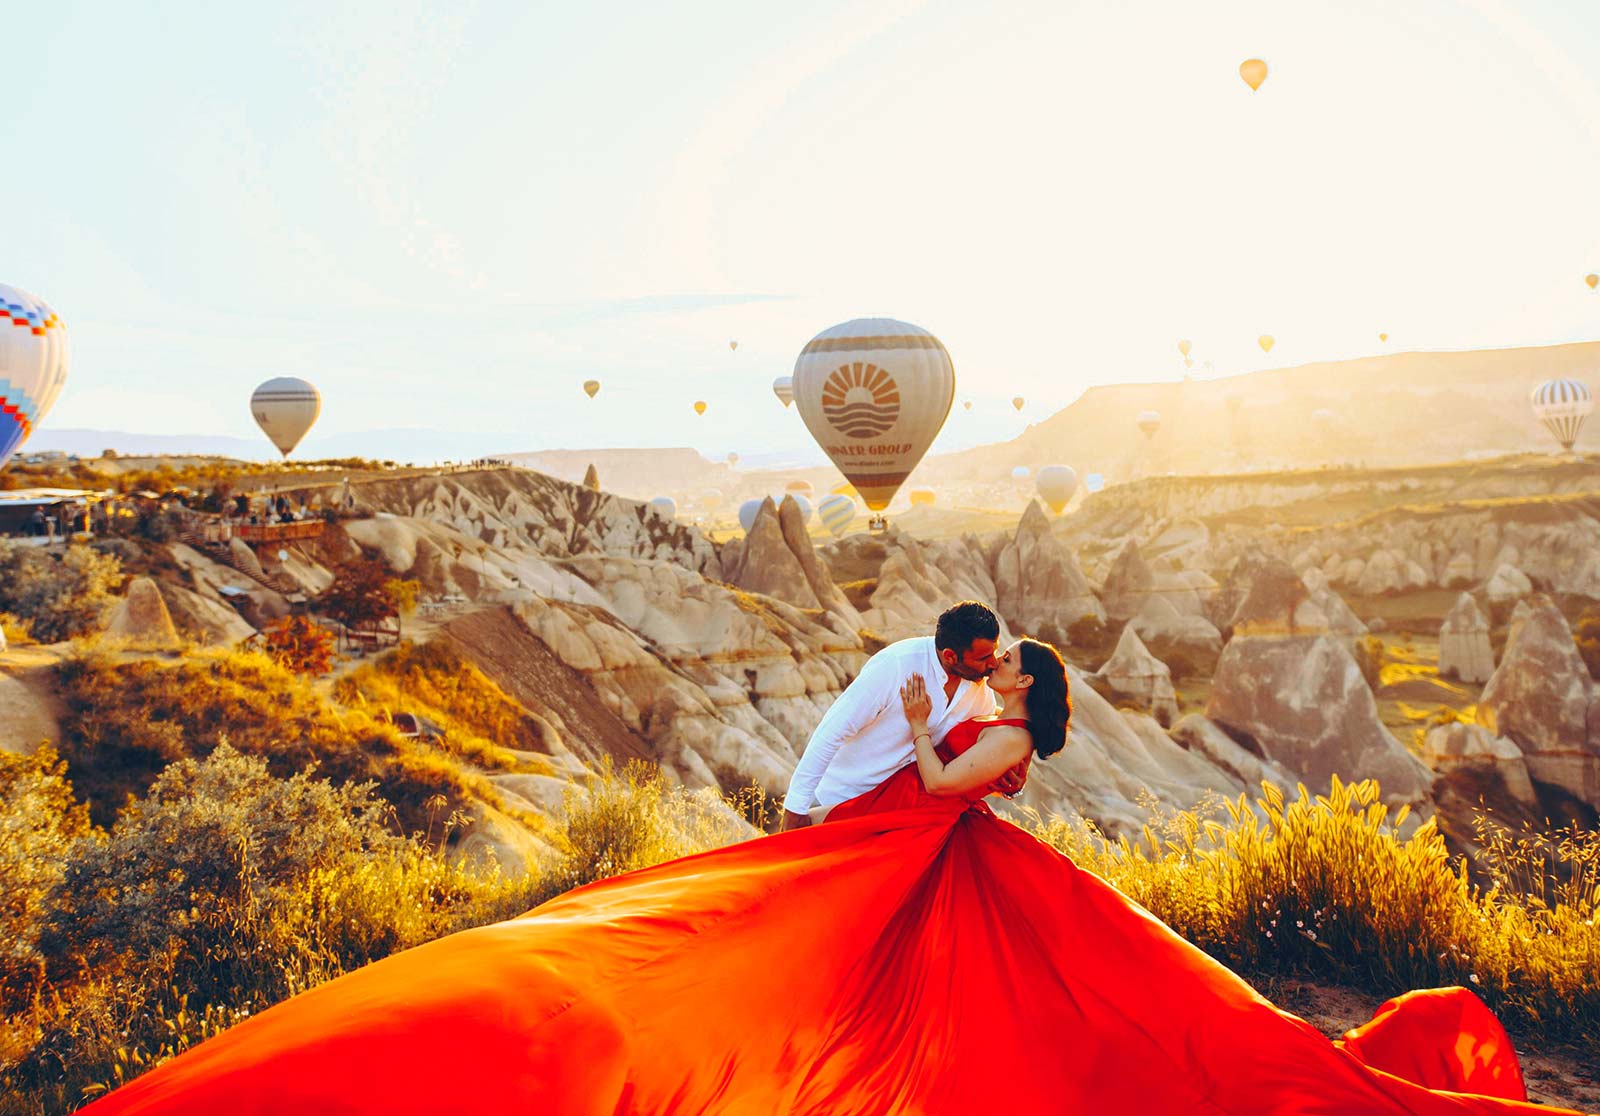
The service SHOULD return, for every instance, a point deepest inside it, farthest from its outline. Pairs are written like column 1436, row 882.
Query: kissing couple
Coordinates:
column 913, row 954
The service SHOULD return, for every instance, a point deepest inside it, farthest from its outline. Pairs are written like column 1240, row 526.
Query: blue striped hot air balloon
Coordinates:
column 33, row 365
column 836, row 513
column 1562, row 405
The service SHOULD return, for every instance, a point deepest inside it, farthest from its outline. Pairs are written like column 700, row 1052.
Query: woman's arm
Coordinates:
column 996, row 751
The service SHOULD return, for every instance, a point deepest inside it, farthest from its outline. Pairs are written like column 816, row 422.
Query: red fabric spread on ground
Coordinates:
column 912, row 955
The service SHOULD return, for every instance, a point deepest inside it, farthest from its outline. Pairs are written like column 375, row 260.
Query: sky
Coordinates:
column 449, row 216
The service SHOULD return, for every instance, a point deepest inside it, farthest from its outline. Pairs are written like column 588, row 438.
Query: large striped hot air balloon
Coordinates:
column 1056, row 484
column 836, row 514
column 33, row 365
column 285, row 408
column 783, row 388
column 1562, row 405
column 874, row 393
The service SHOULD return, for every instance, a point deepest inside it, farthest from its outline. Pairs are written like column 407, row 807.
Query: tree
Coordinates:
column 297, row 644
column 60, row 594
column 359, row 596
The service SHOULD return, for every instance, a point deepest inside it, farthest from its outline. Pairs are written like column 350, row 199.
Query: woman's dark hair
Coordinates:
column 961, row 624
column 1049, row 703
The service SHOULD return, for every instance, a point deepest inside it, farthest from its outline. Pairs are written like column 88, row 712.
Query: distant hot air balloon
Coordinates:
column 923, row 497
column 968, row 404
column 1562, row 405
column 285, row 408
column 1592, row 280
column 1254, row 72
column 733, row 459
column 800, row 502
column 783, row 388
column 1324, row 418
column 836, row 514
column 1266, row 342
column 1383, row 337
column 1018, row 402
column 34, row 357
column 591, row 388
column 874, row 393
column 844, row 488
column 712, row 499
column 733, row 345
column 699, row 406
column 747, row 513
column 1094, row 482
column 664, row 506
column 1187, row 363
column 1056, row 485
column 1184, row 347
column 804, row 487
column 1020, row 475
column 1149, row 422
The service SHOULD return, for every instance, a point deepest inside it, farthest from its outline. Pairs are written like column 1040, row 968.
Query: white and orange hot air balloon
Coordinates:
column 1254, row 72
column 1149, row 422
column 285, row 408
column 732, row 345
column 1018, row 402
column 783, row 388
column 1562, row 405
column 874, row 392
column 34, row 358
column 1056, row 484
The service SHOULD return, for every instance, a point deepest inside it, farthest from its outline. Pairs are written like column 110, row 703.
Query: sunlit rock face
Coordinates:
column 1290, row 691
column 777, row 558
column 1457, row 748
column 1039, row 587
column 1464, row 648
column 1134, row 674
column 141, row 620
column 1542, row 698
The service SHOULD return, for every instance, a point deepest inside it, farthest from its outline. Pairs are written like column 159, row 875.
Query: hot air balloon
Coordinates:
column 1383, row 337
column 1254, row 72
column 968, row 404
column 1184, row 347
column 874, row 393
column 712, row 499
column 1149, row 422
column 1187, row 363
column 733, row 345
column 1020, row 475
column 285, row 408
column 591, row 388
column 1562, row 405
column 1018, row 402
column 1266, row 342
column 1592, row 280
column 1056, row 485
column 1094, row 482
column 836, row 514
column 844, row 488
column 783, row 388
column 699, row 406
column 804, row 487
column 733, row 459
column 34, row 357
column 747, row 513
column 923, row 497
column 664, row 506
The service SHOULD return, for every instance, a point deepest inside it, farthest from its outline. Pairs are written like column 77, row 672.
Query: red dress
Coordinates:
column 914, row 956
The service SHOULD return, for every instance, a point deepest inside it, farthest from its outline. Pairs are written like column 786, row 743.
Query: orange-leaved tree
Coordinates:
column 297, row 644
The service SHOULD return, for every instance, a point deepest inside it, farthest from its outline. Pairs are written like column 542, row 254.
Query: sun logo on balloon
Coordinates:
column 860, row 400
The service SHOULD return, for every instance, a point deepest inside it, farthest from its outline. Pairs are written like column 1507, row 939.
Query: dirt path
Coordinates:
column 1566, row 1077
column 28, row 705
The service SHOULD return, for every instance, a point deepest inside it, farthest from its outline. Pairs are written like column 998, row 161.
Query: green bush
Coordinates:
column 60, row 594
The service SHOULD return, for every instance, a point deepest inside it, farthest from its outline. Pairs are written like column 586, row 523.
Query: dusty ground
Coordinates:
column 1565, row 1076
column 27, row 701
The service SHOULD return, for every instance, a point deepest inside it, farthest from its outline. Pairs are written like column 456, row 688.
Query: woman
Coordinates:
column 916, row 954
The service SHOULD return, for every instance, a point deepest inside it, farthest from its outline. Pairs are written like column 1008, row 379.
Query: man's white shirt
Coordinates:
column 864, row 737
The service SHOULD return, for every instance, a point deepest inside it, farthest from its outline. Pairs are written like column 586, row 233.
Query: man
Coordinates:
column 864, row 737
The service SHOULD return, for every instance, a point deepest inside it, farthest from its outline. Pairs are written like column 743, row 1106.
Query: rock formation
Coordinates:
column 1290, row 691
column 1507, row 586
column 1132, row 673
column 141, row 619
column 1457, row 747
column 1040, row 589
column 1541, row 696
column 1464, row 650
column 1187, row 641
column 1128, row 586
column 591, row 479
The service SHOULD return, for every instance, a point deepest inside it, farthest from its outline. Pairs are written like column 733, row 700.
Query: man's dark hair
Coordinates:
column 962, row 623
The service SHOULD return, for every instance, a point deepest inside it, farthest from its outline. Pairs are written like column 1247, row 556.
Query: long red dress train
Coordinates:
column 912, row 955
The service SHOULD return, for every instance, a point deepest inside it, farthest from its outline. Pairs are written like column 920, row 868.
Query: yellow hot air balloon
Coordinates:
column 733, row 345
column 923, row 497
column 699, row 406
column 968, row 404
column 1184, row 347
column 591, row 388
column 1383, row 337
column 1018, row 402
column 874, row 393
column 1266, row 342
column 1592, row 280
column 1254, row 72
column 844, row 488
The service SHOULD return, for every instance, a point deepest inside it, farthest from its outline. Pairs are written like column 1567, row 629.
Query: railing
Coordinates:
column 278, row 532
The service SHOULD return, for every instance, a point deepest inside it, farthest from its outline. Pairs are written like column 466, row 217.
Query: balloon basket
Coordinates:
column 878, row 523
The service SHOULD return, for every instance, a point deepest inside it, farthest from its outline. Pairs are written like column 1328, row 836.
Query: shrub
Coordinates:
column 297, row 644
column 59, row 594
column 360, row 594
